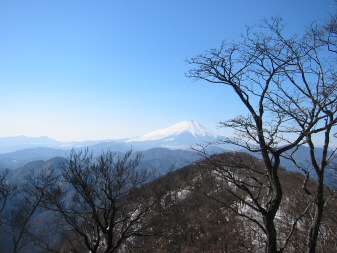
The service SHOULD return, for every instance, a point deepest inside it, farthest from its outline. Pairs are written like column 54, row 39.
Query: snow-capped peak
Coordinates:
column 189, row 126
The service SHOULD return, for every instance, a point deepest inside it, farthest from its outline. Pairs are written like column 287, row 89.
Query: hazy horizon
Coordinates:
column 129, row 137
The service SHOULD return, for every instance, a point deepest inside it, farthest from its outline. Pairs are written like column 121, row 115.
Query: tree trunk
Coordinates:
column 271, row 235
column 319, row 206
column 274, row 205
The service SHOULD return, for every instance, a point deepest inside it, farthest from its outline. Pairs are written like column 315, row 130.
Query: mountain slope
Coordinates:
column 19, row 158
column 164, row 160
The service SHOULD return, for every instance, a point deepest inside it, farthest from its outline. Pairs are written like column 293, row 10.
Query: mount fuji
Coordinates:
column 191, row 127
column 182, row 135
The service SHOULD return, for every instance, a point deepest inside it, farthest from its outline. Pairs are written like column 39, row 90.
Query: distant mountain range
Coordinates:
column 11, row 144
column 163, row 149
column 181, row 136
column 161, row 160
column 17, row 151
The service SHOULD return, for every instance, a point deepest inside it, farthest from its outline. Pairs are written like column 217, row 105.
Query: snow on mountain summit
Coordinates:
column 187, row 126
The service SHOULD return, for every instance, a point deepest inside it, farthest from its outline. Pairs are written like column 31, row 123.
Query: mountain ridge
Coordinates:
column 181, row 135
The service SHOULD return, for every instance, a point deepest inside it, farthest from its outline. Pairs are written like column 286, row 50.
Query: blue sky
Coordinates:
column 78, row 70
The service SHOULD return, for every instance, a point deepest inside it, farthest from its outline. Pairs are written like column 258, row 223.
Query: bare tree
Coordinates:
column 323, row 40
column 101, row 202
column 25, row 205
column 281, row 82
column 5, row 191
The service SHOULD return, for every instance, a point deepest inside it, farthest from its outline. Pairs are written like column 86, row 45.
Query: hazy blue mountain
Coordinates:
column 302, row 157
column 159, row 159
column 163, row 159
column 110, row 145
column 16, row 159
column 9, row 144
column 19, row 158
column 17, row 175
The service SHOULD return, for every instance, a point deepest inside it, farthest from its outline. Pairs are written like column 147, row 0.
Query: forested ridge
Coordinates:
column 192, row 209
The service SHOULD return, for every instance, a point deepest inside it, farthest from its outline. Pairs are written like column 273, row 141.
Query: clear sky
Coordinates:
column 79, row 69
